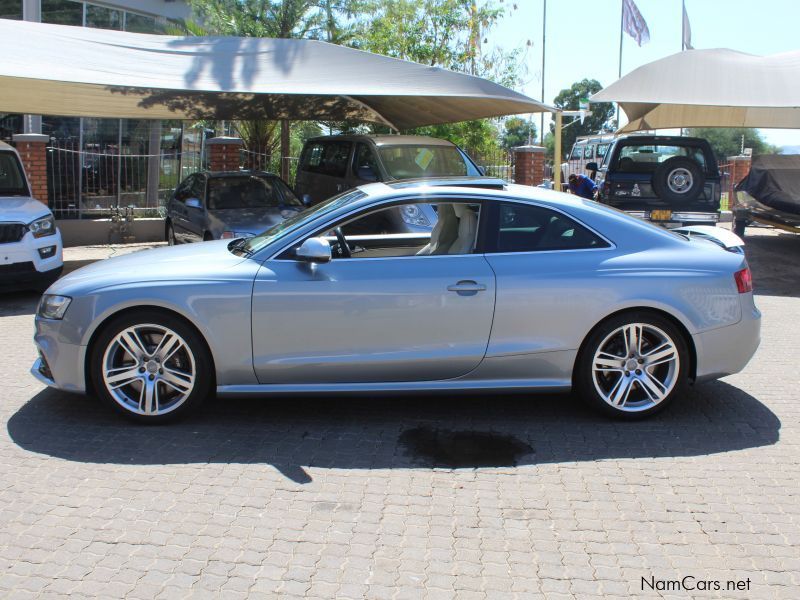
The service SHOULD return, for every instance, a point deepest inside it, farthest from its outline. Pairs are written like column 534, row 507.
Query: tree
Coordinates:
column 728, row 141
column 518, row 132
column 599, row 121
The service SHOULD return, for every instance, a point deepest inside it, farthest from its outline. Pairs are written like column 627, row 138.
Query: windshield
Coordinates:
column 254, row 244
column 12, row 180
column 250, row 191
column 412, row 161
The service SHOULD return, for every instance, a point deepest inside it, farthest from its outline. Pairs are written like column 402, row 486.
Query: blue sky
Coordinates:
column 583, row 38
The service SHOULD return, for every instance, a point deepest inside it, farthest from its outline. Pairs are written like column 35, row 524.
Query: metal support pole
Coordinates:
column 544, row 31
column 621, row 22
column 557, row 154
column 285, row 150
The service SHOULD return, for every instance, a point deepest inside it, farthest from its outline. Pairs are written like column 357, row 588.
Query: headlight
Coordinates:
column 42, row 227
column 413, row 215
column 230, row 235
column 53, row 307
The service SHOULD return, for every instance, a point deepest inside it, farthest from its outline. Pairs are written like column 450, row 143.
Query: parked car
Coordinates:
column 331, row 164
column 586, row 149
column 225, row 205
column 670, row 180
column 30, row 243
column 518, row 288
column 769, row 194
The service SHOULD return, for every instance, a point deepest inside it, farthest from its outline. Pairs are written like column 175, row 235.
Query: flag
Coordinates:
column 633, row 22
column 687, row 31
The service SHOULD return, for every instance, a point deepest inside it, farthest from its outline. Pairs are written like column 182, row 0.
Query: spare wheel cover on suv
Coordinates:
column 678, row 179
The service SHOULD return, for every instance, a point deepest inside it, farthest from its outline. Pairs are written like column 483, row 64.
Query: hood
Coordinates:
column 21, row 209
column 251, row 220
column 192, row 262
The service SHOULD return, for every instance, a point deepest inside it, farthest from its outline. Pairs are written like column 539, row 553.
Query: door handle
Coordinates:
column 466, row 287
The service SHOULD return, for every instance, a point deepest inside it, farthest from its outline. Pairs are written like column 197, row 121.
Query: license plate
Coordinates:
column 660, row 215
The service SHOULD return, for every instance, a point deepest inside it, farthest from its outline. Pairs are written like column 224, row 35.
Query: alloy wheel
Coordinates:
column 635, row 367
column 149, row 369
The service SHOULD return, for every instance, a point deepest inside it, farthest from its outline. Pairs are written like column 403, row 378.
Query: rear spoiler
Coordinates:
column 722, row 237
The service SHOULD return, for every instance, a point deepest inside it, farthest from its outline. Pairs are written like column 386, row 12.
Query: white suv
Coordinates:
column 30, row 243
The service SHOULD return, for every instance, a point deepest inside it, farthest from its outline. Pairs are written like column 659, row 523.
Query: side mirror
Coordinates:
column 592, row 166
column 194, row 203
column 314, row 250
column 366, row 173
column 306, row 200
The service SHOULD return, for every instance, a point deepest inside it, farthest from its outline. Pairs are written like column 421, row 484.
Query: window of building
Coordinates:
column 11, row 9
column 522, row 228
column 101, row 17
column 62, row 12
column 143, row 24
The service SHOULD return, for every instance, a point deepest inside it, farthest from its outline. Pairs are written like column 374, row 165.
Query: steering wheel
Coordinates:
column 344, row 249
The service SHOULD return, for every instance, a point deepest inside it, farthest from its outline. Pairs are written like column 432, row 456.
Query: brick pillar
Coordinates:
column 32, row 148
column 223, row 153
column 529, row 165
column 740, row 167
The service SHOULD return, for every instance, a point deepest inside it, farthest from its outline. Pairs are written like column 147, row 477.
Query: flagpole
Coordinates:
column 683, row 25
column 544, row 31
column 621, row 21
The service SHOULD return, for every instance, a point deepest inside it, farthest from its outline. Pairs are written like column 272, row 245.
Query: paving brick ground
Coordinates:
column 357, row 498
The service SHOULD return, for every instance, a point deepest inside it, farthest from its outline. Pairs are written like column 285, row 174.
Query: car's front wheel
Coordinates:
column 171, row 235
column 151, row 366
column 633, row 365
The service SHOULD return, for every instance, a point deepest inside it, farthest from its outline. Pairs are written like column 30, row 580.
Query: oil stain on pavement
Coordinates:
column 463, row 449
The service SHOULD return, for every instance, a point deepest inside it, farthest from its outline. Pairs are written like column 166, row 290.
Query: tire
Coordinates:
column 678, row 179
column 171, row 235
column 143, row 383
column 612, row 380
column 207, row 237
column 739, row 225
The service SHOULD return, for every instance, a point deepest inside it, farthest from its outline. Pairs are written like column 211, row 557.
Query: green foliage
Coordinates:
column 517, row 132
column 728, row 141
column 600, row 120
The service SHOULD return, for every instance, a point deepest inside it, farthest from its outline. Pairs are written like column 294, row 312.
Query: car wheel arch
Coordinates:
column 665, row 314
column 108, row 318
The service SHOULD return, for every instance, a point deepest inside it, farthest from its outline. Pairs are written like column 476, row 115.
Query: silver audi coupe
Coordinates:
column 514, row 288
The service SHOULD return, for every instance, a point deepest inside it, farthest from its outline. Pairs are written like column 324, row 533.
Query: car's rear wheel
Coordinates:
column 150, row 366
column 633, row 365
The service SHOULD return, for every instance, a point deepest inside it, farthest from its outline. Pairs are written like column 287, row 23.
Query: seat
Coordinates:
column 444, row 233
column 467, row 229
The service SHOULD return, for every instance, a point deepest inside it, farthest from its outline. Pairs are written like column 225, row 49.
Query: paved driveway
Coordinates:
column 411, row 498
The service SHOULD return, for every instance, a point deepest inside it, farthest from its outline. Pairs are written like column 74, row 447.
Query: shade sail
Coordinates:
column 710, row 88
column 76, row 71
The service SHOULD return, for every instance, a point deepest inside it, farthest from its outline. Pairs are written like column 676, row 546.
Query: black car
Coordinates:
column 671, row 180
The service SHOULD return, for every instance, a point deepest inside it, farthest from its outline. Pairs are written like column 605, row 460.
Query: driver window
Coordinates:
column 419, row 229
column 365, row 167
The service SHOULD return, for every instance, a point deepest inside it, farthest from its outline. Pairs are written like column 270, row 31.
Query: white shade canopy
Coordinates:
column 77, row 71
column 710, row 88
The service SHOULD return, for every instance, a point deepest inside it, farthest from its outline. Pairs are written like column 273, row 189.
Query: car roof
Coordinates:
column 251, row 172
column 386, row 140
column 459, row 181
column 661, row 138
column 6, row 147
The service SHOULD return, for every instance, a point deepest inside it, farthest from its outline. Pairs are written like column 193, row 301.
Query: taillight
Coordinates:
column 744, row 280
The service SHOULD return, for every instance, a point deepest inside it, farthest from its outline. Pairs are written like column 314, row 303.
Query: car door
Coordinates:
column 364, row 166
column 196, row 216
column 359, row 320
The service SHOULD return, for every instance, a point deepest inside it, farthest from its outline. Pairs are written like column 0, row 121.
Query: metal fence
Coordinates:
column 269, row 162
column 90, row 184
column 499, row 163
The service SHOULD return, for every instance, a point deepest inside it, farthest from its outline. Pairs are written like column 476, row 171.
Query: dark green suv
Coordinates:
column 671, row 180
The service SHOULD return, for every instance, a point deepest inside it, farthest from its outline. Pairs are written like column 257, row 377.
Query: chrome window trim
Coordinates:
column 475, row 198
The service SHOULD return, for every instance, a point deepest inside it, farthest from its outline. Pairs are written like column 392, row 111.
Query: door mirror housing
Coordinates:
column 315, row 250
column 306, row 200
column 592, row 166
column 194, row 203
column 367, row 173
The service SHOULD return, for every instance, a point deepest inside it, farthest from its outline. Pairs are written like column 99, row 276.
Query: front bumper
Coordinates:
column 22, row 265
column 60, row 364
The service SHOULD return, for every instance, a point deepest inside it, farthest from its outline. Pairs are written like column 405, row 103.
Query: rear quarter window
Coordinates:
column 326, row 158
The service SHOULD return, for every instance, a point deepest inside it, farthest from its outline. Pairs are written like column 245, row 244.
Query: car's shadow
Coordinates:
column 360, row 433
column 14, row 304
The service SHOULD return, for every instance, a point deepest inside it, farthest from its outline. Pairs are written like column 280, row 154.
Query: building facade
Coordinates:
column 96, row 164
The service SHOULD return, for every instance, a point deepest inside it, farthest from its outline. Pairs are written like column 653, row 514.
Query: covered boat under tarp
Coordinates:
column 774, row 180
